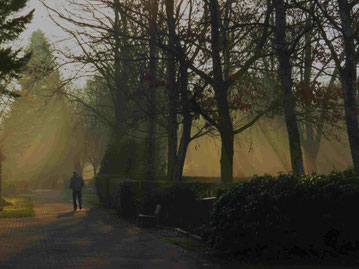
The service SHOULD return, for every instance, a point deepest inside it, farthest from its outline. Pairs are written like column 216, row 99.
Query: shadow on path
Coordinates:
column 91, row 238
column 68, row 214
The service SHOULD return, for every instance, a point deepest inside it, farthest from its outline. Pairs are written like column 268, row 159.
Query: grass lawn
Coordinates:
column 21, row 207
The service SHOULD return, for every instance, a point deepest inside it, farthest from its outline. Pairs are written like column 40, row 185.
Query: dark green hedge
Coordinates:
column 312, row 214
column 181, row 205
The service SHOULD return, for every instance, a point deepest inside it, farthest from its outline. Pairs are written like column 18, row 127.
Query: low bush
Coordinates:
column 125, row 158
column 9, row 189
column 126, row 203
column 180, row 205
column 102, row 185
column 179, row 202
column 312, row 214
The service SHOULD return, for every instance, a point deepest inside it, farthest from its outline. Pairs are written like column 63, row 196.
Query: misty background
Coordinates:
column 45, row 137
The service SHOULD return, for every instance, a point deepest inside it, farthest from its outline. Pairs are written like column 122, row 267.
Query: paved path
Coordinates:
column 57, row 237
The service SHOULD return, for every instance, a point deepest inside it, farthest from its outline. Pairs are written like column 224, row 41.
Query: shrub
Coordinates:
column 126, row 157
column 125, row 200
column 180, row 204
column 102, row 189
column 177, row 202
column 150, row 196
column 91, row 184
column 9, row 189
column 287, row 214
column 111, row 160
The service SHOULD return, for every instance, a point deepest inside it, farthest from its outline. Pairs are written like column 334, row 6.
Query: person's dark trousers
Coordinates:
column 76, row 194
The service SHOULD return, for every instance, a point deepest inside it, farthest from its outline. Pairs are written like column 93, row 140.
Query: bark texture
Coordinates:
column 221, row 90
column 285, row 76
column 172, row 92
column 152, row 89
column 187, row 122
column 348, row 78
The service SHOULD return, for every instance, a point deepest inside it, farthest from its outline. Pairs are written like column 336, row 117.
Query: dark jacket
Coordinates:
column 76, row 183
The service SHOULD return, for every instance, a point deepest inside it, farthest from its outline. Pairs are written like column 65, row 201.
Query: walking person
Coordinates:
column 76, row 184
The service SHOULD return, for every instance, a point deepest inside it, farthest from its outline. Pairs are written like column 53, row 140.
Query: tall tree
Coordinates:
column 11, row 26
column 39, row 117
column 152, row 30
column 285, row 77
column 105, row 47
column 348, row 13
column 337, row 23
column 234, row 49
column 172, row 93
column 179, row 105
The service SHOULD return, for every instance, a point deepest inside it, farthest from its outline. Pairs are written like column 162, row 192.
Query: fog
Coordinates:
column 40, row 145
column 262, row 149
column 43, row 147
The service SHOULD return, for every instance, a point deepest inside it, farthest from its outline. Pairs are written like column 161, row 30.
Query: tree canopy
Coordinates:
column 11, row 26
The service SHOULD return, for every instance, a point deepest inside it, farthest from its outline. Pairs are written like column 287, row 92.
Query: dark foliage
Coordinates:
column 110, row 162
column 9, row 189
column 126, row 158
column 120, row 160
column 125, row 200
column 179, row 204
column 11, row 26
column 312, row 214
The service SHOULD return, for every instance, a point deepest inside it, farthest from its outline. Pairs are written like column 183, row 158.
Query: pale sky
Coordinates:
column 42, row 21
column 53, row 33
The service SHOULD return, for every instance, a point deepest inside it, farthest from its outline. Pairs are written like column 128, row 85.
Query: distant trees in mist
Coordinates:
column 163, row 73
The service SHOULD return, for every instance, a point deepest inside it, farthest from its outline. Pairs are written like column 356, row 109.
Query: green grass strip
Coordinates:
column 21, row 207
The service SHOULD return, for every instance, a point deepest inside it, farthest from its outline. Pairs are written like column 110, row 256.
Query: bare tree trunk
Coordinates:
column 172, row 94
column 227, row 140
column 187, row 122
column 221, row 90
column 348, row 80
column 310, row 141
column 120, row 74
column 152, row 89
column 182, row 150
column 285, row 70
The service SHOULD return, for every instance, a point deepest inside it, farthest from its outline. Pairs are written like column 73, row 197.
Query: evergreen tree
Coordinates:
column 38, row 121
column 11, row 26
column 11, row 61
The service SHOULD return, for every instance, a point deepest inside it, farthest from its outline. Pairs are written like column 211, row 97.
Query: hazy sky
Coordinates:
column 262, row 156
column 53, row 33
column 41, row 21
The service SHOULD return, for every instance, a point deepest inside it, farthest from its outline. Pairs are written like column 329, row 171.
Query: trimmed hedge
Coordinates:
column 180, row 204
column 313, row 214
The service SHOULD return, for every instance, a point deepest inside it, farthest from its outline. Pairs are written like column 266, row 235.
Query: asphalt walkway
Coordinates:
column 57, row 237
